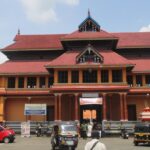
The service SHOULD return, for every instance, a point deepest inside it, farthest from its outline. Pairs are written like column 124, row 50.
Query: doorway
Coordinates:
column 91, row 111
column 132, row 112
column 50, row 113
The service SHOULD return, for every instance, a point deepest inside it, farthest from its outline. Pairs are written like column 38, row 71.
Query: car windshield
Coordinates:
column 68, row 128
column 142, row 129
column 1, row 128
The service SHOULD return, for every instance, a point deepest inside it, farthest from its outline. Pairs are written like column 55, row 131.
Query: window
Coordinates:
column 50, row 81
column 31, row 82
column 130, row 80
column 147, row 78
column 89, row 76
column 116, row 75
column 21, row 82
column 75, row 76
column 104, row 76
column 11, row 82
column 138, row 80
column 62, row 76
column 42, row 82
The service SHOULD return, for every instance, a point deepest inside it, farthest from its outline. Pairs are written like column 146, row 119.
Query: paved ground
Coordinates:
column 43, row 143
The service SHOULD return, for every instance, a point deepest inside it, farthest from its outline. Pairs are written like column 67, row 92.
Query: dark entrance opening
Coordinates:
column 91, row 108
column 50, row 113
column 132, row 113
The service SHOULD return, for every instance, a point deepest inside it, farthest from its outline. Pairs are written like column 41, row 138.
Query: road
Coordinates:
column 43, row 143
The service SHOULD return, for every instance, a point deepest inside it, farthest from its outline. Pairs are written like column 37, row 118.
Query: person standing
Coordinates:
column 94, row 144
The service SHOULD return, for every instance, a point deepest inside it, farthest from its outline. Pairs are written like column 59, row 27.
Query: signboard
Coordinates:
column 25, row 129
column 95, row 95
column 89, row 101
column 35, row 109
column 89, row 114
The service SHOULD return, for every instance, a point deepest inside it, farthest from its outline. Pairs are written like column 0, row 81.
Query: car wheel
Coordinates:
column 53, row 147
column 136, row 143
column 6, row 140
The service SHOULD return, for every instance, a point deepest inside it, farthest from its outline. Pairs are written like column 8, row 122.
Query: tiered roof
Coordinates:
column 23, row 67
column 36, row 42
column 133, row 40
column 69, row 59
column 101, row 35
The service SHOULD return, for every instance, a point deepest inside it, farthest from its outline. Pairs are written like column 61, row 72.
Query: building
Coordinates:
column 89, row 69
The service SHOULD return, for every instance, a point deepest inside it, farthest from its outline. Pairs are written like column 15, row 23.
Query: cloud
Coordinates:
column 145, row 29
column 42, row 11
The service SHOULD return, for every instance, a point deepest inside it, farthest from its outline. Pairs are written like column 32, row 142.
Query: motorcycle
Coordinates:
column 124, row 134
column 41, row 131
column 38, row 131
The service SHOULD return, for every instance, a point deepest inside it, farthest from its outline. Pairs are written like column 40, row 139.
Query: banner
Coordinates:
column 25, row 129
column 89, row 101
column 35, row 109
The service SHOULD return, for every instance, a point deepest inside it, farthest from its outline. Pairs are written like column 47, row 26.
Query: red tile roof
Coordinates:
column 88, row 35
column 23, row 67
column 133, row 39
column 142, row 65
column 36, row 42
column 53, row 41
column 69, row 59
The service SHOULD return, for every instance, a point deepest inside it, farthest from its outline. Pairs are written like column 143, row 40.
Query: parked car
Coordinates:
column 64, row 136
column 142, row 133
column 6, row 135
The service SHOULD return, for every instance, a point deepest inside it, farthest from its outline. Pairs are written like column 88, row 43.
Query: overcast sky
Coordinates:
column 64, row 16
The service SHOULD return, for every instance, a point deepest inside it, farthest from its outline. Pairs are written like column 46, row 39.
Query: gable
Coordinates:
column 89, row 24
column 89, row 55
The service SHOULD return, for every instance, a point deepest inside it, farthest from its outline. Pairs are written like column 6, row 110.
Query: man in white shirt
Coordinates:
column 94, row 144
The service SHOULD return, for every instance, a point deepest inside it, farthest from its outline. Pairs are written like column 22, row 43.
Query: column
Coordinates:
column 2, row 108
column 59, row 106
column 16, row 82
column 69, row 76
column 55, row 76
column 80, row 76
column 125, row 107
column 121, row 107
column 25, row 82
column 37, row 82
column 76, row 107
column 134, row 80
column 46, row 81
column 104, row 107
column 143, row 80
column 3, row 82
column 99, row 75
column 56, row 107
column 124, row 75
column 110, row 75
column 29, row 102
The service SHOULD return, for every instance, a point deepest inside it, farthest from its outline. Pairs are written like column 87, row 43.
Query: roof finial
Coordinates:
column 89, row 13
column 18, row 31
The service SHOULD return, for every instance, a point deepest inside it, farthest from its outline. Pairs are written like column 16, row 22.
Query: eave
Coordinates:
column 88, row 65
column 79, row 88
column 88, row 39
column 22, row 74
column 132, row 47
column 24, row 49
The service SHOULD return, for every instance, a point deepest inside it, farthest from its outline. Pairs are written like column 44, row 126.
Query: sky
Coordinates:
column 64, row 16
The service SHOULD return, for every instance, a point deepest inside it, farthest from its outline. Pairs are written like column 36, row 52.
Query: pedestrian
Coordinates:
column 89, row 129
column 95, row 144
column 84, row 130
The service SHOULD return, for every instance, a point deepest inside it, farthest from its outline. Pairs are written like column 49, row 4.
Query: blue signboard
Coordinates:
column 35, row 109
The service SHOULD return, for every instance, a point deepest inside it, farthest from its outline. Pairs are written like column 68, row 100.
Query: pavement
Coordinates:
column 43, row 143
